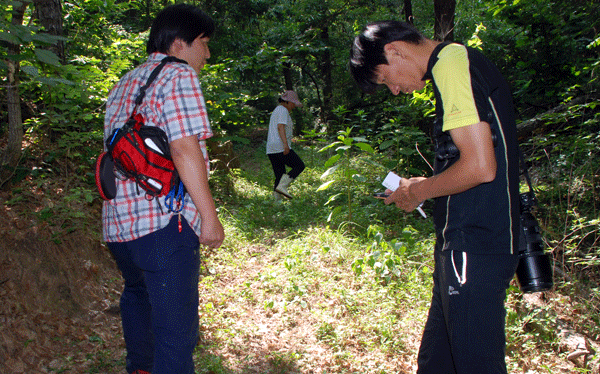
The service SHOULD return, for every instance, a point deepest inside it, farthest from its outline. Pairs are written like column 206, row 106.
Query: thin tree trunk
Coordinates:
column 326, row 74
column 287, row 76
column 444, row 19
column 12, row 153
column 408, row 14
column 148, row 18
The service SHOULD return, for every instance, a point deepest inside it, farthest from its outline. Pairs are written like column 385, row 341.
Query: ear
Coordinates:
column 393, row 50
column 176, row 46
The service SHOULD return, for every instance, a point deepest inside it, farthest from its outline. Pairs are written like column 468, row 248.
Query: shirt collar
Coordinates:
column 433, row 59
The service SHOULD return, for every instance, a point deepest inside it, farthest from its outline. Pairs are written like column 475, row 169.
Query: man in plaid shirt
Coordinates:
column 156, row 250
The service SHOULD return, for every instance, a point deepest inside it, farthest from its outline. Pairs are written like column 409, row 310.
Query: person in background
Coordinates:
column 279, row 145
column 157, row 251
column 475, row 186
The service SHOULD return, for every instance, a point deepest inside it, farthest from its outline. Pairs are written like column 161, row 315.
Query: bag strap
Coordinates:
column 138, row 100
column 152, row 77
column 523, row 165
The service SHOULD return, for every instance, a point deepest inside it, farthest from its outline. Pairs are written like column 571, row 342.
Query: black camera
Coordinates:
column 534, row 271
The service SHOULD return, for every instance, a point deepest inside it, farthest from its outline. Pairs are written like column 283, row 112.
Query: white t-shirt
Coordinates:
column 279, row 115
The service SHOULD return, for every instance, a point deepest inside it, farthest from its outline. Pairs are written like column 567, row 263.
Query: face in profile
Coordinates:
column 401, row 73
column 195, row 54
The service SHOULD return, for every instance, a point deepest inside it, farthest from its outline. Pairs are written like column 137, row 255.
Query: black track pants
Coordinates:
column 279, row 161
column 464, row 333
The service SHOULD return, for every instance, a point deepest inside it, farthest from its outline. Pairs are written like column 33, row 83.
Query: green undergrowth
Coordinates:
column 360, row 287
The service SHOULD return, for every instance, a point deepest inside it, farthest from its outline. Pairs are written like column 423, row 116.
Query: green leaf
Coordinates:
column 333, row 198
column 359, row 178
column 48, row 39
column 9, row 38
column 334, row 213
column 386, row 144
column 47, row 57
column 345, row 140
column 329, row 172
column 329, row 146
column 30, row 70
column 365, row 147
column 332, row 160
column 325, row 185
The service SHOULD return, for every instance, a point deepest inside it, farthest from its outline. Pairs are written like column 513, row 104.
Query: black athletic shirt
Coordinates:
column 469, row 89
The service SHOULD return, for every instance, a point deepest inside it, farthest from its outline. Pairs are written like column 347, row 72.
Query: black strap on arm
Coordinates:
column 153, row 76
column 129, row 124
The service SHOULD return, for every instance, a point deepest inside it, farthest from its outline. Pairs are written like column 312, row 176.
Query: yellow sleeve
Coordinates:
column 453, row 79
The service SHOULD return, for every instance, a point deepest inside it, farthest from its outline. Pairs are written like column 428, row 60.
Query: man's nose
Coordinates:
column 395, row 89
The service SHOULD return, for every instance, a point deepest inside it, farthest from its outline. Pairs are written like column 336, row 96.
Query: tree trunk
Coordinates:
column 148, row 17
column 444, row 19
column 326, row 74
column 49, row 13
column 12, row 153
column 408, row 14
column 287, row 76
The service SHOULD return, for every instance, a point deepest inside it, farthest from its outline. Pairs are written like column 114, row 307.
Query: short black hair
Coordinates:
column 179, row 21
column 367, row 50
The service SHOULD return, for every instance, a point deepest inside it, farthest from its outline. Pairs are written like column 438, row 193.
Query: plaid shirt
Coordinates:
column 174, row 103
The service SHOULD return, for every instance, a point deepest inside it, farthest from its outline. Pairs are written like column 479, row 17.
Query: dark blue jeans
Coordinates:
column 464, row 333
column 279, row 161
column 159, row 304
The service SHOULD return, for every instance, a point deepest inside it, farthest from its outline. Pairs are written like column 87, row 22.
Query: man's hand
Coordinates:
column 189, row 161
column 212, row 233
column 476, row 165
column 402, row 197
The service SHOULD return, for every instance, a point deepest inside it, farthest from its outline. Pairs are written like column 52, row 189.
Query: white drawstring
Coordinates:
column 462, row 278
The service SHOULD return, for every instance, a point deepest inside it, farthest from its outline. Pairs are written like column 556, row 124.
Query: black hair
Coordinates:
column 367, row 51
column 179, row 21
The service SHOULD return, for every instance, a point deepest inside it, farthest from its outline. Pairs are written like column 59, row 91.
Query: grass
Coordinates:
column 281, row 295
column 299, row 294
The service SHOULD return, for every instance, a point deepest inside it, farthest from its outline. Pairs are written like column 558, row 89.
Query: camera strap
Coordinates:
column 534, row 271
column 525, row 171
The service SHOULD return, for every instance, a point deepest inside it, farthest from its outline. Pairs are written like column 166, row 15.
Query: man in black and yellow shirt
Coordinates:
column 475, row 187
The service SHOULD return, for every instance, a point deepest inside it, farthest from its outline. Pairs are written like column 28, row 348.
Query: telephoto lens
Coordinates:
column 534, row 271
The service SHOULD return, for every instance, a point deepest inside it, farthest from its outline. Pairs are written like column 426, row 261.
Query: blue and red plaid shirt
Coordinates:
column 174, row 103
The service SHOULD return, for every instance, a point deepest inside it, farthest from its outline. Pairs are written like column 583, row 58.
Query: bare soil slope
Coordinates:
column 56, row 289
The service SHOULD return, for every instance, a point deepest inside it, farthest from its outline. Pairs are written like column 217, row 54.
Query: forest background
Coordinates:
column 332, row 281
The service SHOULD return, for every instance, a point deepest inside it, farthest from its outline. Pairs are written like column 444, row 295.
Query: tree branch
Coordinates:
column 526, row 127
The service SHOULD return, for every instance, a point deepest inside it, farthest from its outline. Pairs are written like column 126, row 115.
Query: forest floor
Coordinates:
column 278, row 304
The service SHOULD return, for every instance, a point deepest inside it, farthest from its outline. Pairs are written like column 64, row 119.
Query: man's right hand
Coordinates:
column 212, row 233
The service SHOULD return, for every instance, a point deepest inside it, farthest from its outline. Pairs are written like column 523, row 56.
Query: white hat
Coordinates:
column 292, row 97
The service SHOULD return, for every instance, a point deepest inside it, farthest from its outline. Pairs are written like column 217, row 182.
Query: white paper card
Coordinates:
column 391, row 181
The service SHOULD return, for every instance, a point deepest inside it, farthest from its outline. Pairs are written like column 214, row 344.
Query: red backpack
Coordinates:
column 140, row 153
